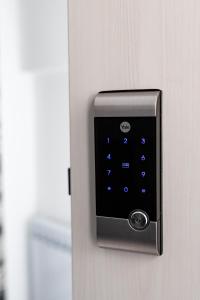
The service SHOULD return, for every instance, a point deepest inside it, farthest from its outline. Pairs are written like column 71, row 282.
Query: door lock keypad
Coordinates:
column 125, row 159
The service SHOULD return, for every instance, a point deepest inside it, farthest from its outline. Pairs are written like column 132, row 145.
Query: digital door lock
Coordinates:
column 127, row 134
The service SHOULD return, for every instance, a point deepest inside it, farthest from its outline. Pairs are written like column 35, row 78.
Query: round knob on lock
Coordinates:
column 138, row 220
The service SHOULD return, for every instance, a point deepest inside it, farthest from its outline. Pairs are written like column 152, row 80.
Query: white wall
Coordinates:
column 34, row 86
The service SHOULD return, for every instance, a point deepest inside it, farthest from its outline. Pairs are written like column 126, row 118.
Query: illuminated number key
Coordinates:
column 143, row 140
column 108, row 172
column 108, row 140
column 125, row 189
column 125, row 141
column 143, row 157
column 109, row 156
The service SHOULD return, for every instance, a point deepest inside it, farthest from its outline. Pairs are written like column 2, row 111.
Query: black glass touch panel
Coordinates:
column 125, row 162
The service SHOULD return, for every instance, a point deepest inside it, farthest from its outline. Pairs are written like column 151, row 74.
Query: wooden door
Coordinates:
column 136, row 44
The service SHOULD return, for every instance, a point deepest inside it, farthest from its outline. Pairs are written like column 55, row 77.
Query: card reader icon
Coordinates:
column 125, row 165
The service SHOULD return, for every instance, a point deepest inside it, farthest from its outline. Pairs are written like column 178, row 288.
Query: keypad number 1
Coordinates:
column 108, row 140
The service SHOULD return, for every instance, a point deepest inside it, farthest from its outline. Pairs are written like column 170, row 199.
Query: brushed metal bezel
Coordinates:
column 116, row 233
column 126, row 104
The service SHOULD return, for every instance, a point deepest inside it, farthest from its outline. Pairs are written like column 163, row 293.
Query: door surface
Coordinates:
column 138, row 45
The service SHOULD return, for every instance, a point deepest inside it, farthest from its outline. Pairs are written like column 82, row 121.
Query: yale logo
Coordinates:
column 125, row 127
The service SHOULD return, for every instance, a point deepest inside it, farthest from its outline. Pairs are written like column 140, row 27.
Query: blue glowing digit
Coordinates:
column 125, row 189
column 109, row 172
column 125, row 140
column 143, row 174
column 108, row 140
column 143, row 141
column 109, row 156
column 143, row 157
